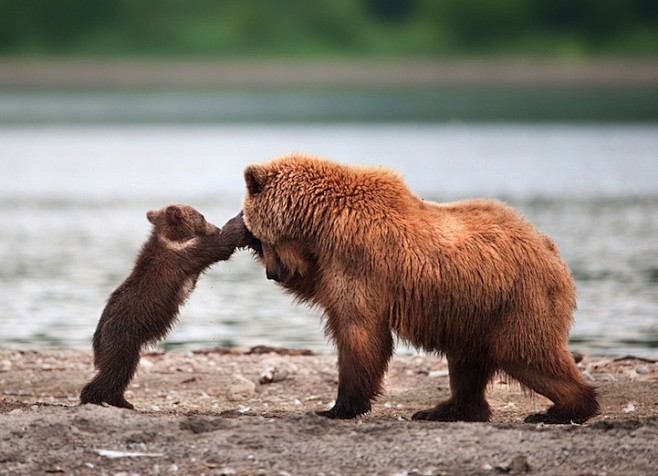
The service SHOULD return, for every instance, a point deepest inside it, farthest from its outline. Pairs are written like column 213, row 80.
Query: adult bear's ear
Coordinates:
column 255, row 177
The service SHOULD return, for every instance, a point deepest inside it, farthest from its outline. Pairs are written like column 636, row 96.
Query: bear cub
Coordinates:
column 144, row 307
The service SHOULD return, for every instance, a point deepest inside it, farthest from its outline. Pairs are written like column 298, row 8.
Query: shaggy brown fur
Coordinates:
column 472, row 280
column 144, row 307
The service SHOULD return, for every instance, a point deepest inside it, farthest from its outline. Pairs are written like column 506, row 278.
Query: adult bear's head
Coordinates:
column 307, row 210
column 276, row 209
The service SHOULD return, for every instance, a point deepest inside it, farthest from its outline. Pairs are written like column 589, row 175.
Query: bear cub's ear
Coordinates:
column 152, row 216
column 174, row 214
column 255, row 177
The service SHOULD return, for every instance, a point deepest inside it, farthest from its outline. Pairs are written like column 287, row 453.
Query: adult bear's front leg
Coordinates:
column 364, row 350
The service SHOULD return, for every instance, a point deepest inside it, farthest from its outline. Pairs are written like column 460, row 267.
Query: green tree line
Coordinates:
column 335, row 28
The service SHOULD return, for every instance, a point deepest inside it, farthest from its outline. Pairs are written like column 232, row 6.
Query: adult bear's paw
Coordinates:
column 346, row 410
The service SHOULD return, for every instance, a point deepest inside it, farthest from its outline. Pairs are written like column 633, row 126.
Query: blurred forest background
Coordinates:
column 336, row 28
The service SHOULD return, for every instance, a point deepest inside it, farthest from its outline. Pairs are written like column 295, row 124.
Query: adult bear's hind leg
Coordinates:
column 559, row 380
column 467, row 402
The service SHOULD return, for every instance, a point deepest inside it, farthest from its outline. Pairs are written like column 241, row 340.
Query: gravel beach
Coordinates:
column 250, row 411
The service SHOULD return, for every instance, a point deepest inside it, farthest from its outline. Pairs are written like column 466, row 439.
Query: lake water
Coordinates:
column 73, row 202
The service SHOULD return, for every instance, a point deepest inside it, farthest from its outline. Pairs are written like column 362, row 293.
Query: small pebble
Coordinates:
column 438, row 373
column 145, row 363
column 607, row 378
column 272, row 375
column 240, row 388
column 518, row 465
column 588, row 376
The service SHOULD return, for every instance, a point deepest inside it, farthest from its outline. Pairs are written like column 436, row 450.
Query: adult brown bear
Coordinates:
column 472, row 280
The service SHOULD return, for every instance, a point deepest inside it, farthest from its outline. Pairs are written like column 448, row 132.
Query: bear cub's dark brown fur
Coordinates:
column 144, row 307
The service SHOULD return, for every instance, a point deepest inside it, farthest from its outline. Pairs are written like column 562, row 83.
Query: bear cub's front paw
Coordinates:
column 235, row 232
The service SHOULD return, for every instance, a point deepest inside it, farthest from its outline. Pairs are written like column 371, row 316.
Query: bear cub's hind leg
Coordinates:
column 116, row 364
column 93, row 393
column 468, row 382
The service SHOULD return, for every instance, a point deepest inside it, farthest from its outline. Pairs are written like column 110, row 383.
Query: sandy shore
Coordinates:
column 205, row 412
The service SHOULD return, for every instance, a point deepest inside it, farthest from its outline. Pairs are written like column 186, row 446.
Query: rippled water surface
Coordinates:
column 73, row 202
